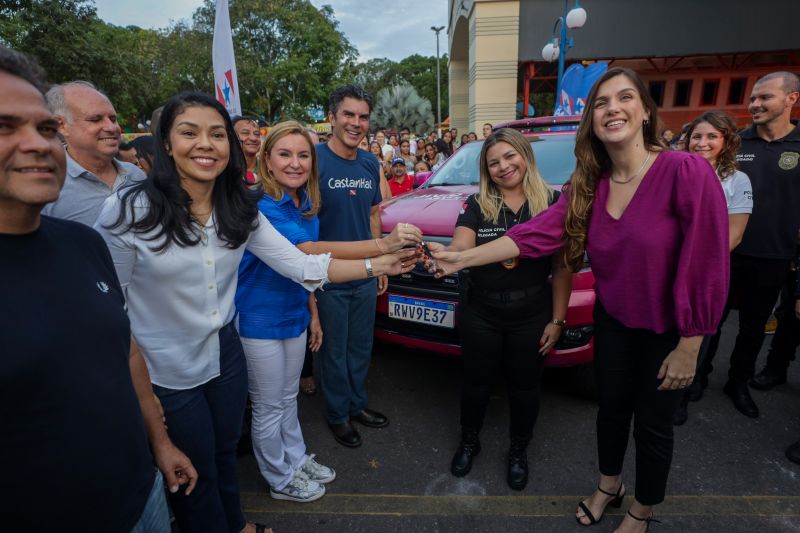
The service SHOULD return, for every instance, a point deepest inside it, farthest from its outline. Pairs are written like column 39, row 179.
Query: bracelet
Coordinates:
column 378, row 244
column 559, row 322
column 368, row 266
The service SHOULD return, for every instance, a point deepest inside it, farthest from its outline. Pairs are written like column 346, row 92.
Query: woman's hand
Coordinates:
column 549, row 338
column 402, row 235
column 315, row 334
column 399, row 262
column 444, row 262
column 677, row 370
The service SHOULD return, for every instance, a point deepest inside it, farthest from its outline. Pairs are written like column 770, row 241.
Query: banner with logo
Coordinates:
column 575, row 86
column 226, row 83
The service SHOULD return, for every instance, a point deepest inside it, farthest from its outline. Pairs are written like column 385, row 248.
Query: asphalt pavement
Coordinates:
column 729, row 472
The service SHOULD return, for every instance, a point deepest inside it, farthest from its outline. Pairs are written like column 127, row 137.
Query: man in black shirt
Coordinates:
column 76, row 407
column 770, row 156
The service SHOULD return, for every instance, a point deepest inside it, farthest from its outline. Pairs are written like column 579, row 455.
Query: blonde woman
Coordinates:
column 274, row 312
column 510, row 316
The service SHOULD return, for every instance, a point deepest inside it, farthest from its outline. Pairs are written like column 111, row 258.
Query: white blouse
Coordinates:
column 180, row 298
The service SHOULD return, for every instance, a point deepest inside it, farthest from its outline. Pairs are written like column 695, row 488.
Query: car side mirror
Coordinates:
column 420, row 178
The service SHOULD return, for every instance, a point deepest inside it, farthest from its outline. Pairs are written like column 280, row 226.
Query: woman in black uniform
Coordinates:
column 510, row 316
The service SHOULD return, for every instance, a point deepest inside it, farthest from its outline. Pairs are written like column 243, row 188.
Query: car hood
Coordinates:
column 434, row 210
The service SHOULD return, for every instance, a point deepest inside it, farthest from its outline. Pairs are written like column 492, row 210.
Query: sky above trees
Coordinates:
column 377, row 28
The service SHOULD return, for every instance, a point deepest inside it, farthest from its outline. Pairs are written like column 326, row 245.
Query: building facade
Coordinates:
column 694, row 55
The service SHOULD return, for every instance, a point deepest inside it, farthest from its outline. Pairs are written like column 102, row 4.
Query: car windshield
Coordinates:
column 555, row 157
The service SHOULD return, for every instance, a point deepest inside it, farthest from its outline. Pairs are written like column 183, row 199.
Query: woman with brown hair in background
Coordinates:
column 714, row 137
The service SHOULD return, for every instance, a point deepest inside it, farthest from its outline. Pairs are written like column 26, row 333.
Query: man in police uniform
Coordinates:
column 770, row 156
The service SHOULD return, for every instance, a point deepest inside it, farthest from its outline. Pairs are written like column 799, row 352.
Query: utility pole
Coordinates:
column 438, row 84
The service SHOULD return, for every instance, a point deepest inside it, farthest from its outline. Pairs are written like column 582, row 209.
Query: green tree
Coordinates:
column 56, row 32
column 289, row 54
column 420, row 71
column 401, row 107
column 415, row 70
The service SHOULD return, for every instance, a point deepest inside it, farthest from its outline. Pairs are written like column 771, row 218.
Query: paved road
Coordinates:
column 729, row 472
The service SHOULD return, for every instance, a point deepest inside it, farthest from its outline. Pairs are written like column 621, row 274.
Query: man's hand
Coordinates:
column 176, row 467
column 315, row 334
column 402, row 235
column 677, row 370
column 383, row 284
column 797, row 309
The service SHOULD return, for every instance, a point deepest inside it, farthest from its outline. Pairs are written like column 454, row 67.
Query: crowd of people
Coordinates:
column 208, row 265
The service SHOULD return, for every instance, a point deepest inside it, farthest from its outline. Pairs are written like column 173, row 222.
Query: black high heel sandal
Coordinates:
column 616, row 503
column 648, row 519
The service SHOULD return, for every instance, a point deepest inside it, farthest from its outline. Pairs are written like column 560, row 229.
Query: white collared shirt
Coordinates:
column 180, row 298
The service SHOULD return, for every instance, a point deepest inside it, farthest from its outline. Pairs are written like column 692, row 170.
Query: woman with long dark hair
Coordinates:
column 177, row 239
column 445, row 144
column 655, row 228
column 509, row 308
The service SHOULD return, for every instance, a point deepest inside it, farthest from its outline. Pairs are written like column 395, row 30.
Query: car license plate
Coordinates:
column 431, row 312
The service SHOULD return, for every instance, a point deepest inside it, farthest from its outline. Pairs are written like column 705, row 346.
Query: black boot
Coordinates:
column 468, row 448
column 518, row 464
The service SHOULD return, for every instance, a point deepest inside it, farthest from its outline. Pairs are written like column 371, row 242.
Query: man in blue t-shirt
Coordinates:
column 349, row 184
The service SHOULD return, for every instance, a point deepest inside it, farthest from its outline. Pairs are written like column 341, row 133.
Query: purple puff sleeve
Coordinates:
column 703, row 271
column 541, row 235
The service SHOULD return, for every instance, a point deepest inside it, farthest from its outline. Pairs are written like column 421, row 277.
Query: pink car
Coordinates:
column 419, row 311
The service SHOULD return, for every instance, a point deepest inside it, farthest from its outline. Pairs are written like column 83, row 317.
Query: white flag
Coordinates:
column 226, row 83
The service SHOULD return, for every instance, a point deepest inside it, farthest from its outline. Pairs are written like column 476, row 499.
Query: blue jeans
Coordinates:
column 155, row 517
column 205, row 423
column 347, row 317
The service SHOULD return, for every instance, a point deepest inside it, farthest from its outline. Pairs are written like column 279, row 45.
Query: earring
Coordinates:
column 645, row 123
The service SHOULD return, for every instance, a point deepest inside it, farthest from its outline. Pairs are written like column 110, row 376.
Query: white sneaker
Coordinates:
column 300, row 489
column 317, row 472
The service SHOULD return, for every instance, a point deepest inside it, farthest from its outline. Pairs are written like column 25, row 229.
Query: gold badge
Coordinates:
column 510, row 264
column 788, row 160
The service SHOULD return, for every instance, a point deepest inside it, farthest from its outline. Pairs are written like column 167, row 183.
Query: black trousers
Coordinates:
column 756, row 282
column 755, row 285
column 787, row 335
column 502, row 340
column 626, row 365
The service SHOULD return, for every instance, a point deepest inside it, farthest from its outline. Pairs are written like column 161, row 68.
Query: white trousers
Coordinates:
column 273, row 372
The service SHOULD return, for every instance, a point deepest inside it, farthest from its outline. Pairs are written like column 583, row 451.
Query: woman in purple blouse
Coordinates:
column 655, row 227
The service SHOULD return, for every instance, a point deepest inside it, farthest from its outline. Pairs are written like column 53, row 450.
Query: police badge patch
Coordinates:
column 788, row 160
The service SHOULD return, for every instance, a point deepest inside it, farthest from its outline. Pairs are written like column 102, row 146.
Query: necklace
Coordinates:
column 511, row 264
column 623, row 182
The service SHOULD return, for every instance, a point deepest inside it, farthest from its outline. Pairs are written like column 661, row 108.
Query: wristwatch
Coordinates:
column 559, row 322
column 368, row 266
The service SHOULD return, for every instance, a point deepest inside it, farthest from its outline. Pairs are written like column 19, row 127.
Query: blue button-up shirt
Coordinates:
column 271, row 306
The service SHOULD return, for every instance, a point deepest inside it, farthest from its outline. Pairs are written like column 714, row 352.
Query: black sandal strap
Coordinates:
column 615, row 494
column 648, row 519
column 588, row 513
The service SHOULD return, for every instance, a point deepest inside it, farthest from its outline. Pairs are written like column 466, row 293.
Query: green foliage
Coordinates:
column 416, row 70
column 57, row 32
column 289, row 54
column 400, row 107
